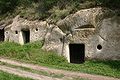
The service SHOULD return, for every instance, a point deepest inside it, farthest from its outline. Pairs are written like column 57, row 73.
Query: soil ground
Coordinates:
column 67, row 74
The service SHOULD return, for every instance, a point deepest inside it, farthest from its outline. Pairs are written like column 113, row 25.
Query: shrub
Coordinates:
column 109, row 3
column 8, row 5
column 58, row 14
column 41, row 9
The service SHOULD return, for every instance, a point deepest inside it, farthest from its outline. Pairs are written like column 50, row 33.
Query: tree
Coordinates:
column 7, row 5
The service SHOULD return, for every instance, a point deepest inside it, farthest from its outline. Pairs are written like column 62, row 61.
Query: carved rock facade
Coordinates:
column 96, row 32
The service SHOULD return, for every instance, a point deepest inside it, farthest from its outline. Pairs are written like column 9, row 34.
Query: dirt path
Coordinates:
column 25, row 74
column 55, row 71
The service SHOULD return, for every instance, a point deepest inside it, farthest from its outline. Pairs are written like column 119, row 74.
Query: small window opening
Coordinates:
column 16, row 32
column 36, row 29
column 61, row 39
column 6, row 32
column 99, row 47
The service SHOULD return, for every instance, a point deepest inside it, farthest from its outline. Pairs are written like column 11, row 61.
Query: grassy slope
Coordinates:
column 33, row 54
column 7, row 76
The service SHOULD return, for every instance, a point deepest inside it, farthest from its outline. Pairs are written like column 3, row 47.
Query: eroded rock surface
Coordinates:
column 97, row 28
column 14, row 32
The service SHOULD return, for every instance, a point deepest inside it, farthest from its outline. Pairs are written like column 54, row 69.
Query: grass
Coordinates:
column 32, row 53
column 42, row 72
column 34, row 71
column 80, row 79
column 106, row 68
column 7, row 76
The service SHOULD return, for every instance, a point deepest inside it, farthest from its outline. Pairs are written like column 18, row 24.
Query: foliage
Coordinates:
column 7, row 76
column 109, row 3
column 7, row 5
column 57, row 14
column 52, row 9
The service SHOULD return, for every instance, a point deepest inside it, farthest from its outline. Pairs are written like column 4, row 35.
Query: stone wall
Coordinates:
column 14, row 31
column 97, row 28
column 89, row 27
column 109, row 39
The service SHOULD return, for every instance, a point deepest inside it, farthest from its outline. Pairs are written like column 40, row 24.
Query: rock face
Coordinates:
column 88, row 34
column 109, row 38
column 22, row 31
column 87, row 18
column 96, row 28
column 53, row 39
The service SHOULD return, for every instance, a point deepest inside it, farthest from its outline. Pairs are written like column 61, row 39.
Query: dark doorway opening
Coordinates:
column 26, row 36
column 77, row 53
column 1, row 35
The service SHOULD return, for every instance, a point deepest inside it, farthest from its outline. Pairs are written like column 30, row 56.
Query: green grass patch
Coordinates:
column 42, row 72
column 34, row 71
column 80, row 79
column 7, row 76
column 33, row 53
column 106, row 68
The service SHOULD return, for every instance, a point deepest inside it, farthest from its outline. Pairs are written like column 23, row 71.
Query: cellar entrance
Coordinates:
column 77, row 53
column 1, row 35
column 26, row 36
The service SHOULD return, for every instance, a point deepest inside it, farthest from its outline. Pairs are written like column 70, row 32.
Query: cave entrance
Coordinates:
column 26, row 36
column 77, row 53
column 1, row 35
